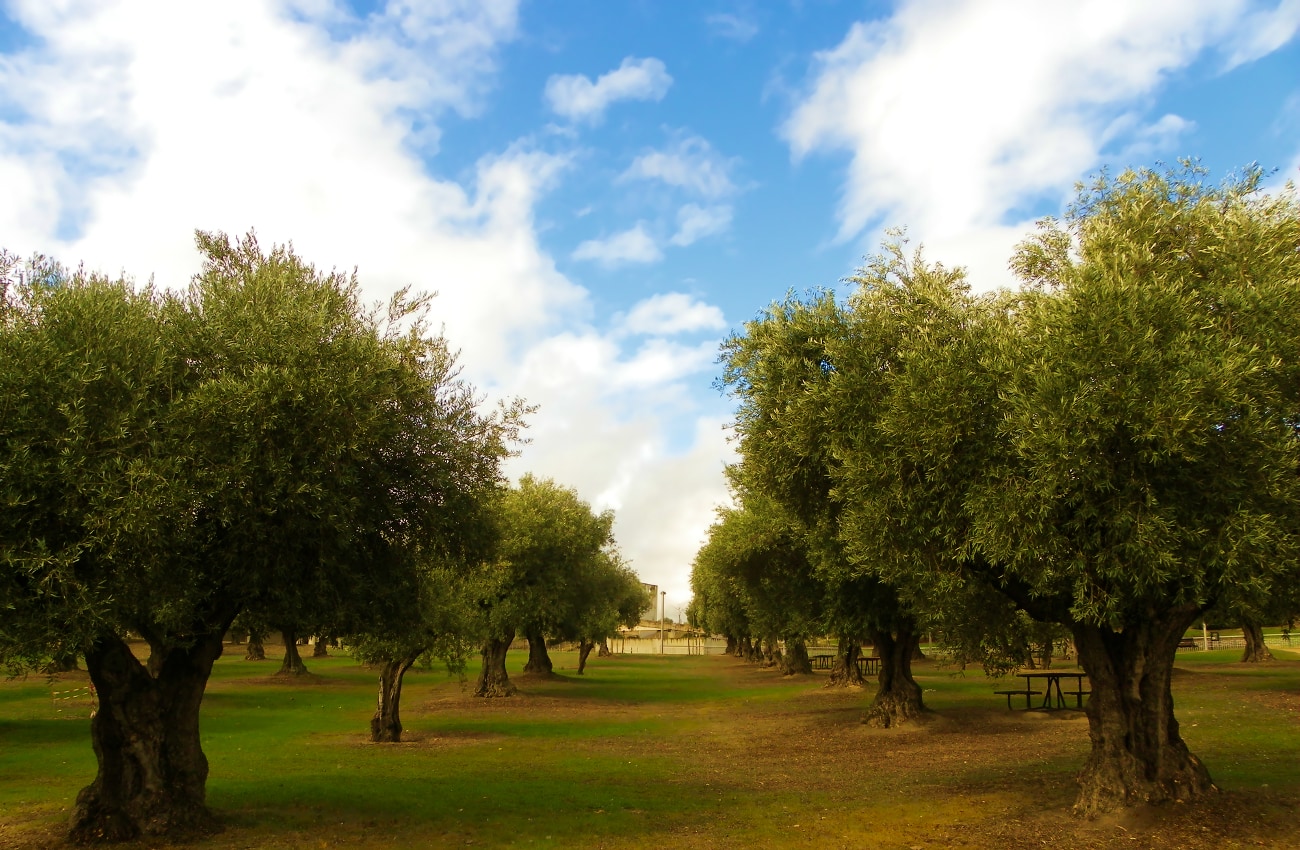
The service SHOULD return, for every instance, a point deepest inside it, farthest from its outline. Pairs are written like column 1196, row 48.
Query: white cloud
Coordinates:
column 630, row 246
column 1038, row 88
column 733, row 27
column 139, row 122
column 577, row 98
column 695, row 223
column 1262, row 31
column 690, row 163
column 672, row 313
column 663, row 489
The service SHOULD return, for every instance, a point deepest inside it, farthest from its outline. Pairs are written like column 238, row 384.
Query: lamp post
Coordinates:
column 663, row 612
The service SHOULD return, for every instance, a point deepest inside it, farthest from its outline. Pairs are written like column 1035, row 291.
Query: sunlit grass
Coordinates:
column 705, row 751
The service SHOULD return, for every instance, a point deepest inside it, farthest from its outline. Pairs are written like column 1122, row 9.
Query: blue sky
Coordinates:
column 601, row 191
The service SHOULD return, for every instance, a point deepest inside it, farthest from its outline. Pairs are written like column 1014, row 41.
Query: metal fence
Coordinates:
column 670, row 646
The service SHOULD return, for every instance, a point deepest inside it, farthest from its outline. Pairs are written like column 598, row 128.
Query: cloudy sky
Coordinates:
column 600, row 191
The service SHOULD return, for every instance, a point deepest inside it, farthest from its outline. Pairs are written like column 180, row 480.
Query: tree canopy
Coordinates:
column 168, row 460
column 1112, row 449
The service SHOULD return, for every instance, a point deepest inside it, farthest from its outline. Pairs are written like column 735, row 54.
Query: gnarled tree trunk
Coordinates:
column 605, row 651
column 898, row 696
column 733, row 646
column 539, row 660
column 256, row 651
column 292, row 664
column 845, row 670
column 320, row 647
column 386, row 725
column 771, row 652
column 493, row 680
column 1137, row 754
column 795, row 660
column 1255, row 650
column 152, row 771
column 584, row 649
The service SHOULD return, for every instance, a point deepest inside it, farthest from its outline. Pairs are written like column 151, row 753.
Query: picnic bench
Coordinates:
column 868, row 665
column 1052, row 693
column 823, row 661
column 1021, row 692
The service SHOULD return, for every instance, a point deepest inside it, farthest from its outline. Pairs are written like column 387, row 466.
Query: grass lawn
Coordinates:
column 669, row 751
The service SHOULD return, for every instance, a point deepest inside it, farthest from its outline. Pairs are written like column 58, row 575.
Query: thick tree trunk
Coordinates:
column 145, row 734
column 845, row 671
column 898, row 696
column 771, row 652
column 1255, row 649
column 493, row 681
column 733, row 646
column 744, row 648
column 386, row 725
column 539, row 660
column 292, row 664
column 753, row 651
column 256, row 651
column 584, row 649
column 605, row 651
column 320, row 647
column 795, row 661
column 1137, row 754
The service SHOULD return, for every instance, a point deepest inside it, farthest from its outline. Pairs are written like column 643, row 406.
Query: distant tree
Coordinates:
column 611, row 595
column 168, row 461
column 438, row 627
column 548, row 539
column 795, row 421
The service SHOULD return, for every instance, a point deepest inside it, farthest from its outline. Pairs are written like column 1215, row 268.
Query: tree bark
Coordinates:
column 320, row 647
column 605, row 651
column 1255, row 650
column 771, row 652
column 845, row 671
column 493, row 680
column 152, row 771
column 539, row 660
column 898, row 696
column 292, row 664
column 584, row 649
column 1137, row 754
column 795, row 660
column 386, row 725
column 733, row 646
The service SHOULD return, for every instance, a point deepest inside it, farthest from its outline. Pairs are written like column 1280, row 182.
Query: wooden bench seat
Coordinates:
column 1019, row 693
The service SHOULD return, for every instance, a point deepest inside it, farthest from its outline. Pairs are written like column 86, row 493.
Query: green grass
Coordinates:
column 643, row 749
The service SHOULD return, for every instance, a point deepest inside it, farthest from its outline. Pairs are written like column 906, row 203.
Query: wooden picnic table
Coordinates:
column 1053, row 696
column 823, row 661
column 868, row 665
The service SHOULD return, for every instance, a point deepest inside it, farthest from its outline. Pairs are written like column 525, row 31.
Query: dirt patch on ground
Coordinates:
column 966, row 777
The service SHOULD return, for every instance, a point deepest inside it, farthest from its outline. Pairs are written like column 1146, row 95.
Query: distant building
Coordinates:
column 651, row 612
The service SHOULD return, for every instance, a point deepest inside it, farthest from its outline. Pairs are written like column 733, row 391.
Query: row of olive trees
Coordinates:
column 262, row 444
column 1113, row 449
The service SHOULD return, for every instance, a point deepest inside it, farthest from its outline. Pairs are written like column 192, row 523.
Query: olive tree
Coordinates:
column 794, row 419
column 549, row 539
column 168, row 461
column 1147, row 445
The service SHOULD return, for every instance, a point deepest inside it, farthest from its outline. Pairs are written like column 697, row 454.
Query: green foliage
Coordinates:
column 264, row 439
column 556, row 570
column 1147, row 448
